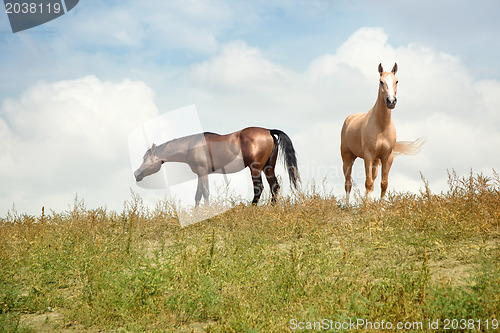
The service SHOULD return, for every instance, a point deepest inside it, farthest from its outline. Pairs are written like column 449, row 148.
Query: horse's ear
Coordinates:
column 153, row 147
column 380, row 69
column 395, row 68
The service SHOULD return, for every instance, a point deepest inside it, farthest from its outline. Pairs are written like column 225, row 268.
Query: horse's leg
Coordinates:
column 257, row 185
column 369, row 165
column 348, row 160
column 204, row 188
column 272, row 181
column 386, row 166
column 199, row 191
column 375, row 170
column 271, row 176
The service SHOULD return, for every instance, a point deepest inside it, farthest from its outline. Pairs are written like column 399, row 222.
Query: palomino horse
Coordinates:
column 372, row 137
column 206, row 153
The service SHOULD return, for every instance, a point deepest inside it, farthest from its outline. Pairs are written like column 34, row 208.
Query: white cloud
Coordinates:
column 489, row 91
column 353, row 53
column 438, row 99
column 238, row 66
column 67, row 138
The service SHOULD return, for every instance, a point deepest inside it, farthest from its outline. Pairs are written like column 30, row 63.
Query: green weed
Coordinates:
column 415, row 257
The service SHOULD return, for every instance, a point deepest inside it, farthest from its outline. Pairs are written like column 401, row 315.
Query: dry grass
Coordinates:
column 415, row 257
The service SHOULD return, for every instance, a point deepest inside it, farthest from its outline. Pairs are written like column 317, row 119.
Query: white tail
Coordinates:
column 409, row 147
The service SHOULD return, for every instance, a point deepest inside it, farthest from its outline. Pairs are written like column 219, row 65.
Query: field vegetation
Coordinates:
column 413, row 258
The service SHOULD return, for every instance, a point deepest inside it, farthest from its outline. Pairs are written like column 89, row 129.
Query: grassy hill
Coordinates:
column 307, row 262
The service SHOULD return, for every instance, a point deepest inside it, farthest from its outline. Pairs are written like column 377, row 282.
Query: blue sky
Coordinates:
column 73, row 89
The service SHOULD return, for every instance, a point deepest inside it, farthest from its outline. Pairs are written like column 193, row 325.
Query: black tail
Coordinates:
column 290, row 159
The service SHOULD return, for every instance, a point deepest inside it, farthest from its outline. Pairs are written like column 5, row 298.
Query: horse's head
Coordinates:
column 388, row 86
column 150, row 164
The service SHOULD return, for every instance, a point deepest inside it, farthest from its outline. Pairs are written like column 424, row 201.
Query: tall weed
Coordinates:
column 415, row 257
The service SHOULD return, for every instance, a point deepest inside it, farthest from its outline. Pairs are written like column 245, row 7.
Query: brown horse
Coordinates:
column 206, row 153
column 372, row 137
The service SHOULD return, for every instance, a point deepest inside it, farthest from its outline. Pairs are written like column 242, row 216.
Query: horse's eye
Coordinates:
column 381, row 83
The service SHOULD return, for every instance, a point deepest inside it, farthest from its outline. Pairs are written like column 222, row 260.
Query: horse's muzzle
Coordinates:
column 138, row 176
column 391, row 104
